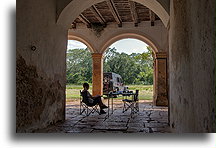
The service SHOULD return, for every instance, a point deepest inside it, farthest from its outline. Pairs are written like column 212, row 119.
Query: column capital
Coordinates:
column 160, row 55
column 97, row 55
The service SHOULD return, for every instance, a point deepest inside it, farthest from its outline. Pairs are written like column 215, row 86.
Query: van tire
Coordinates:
column 117, row 89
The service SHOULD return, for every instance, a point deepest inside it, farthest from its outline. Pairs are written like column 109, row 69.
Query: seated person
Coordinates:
column 90, row 100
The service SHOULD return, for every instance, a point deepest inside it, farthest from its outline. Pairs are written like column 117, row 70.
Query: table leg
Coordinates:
column 108, row 106
column 112, row 105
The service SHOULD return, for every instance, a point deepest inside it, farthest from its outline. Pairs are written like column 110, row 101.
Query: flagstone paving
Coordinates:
column 150, row 119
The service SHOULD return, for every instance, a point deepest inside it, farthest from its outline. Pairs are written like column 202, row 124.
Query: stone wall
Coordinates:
column 41, row 69
column 160, row 97
column 38, row 100
column 192, row 65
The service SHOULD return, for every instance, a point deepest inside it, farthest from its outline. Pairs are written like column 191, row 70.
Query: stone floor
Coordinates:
column 150, row 119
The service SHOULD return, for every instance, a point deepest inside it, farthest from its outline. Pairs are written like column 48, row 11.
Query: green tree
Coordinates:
column 79, row 66
column 134, row 68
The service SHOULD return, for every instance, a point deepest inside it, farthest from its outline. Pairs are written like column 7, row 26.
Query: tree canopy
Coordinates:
column 135, row 68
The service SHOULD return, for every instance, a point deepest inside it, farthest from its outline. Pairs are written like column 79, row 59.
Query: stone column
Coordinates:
column 154, row 79
column 97, row 73
column 160, row 88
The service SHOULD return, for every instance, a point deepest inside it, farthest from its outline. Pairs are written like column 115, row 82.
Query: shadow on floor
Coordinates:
column 150, row 119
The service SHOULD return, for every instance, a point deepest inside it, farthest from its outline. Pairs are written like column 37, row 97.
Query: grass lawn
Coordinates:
column 145, row 91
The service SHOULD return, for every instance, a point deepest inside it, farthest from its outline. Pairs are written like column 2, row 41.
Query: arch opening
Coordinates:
column 82, row 40
column 78, row 69
column 101, row 47
column 137, row 36
column 134, row 64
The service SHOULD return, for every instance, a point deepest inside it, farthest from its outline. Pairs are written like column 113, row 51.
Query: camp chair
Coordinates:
column 85, row 107
column 132, row 104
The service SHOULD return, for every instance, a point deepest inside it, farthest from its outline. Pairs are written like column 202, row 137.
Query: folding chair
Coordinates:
column 132, row 104
column 85, row 107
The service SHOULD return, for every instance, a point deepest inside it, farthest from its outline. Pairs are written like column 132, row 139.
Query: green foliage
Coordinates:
column 79, row 66
column 134, row 68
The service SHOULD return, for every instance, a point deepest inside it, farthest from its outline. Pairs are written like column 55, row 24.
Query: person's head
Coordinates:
column 86, row 86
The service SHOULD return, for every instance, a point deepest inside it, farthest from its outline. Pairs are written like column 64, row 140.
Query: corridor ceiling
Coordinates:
column 115, row 11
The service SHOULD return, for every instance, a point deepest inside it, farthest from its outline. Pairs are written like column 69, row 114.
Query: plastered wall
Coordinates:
column 192, row 66
column 156, row 36
column 40, row 71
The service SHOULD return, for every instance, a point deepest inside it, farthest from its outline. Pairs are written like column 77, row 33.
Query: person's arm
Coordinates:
column 89, row 95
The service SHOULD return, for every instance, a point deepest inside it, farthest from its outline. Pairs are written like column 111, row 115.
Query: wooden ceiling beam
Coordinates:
column 85, row 20
column 152, row 17
column 98, row 15
column 134, row 13
column 114, row 12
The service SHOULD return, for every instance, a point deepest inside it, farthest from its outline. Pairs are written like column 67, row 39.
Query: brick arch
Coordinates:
column 70, row 11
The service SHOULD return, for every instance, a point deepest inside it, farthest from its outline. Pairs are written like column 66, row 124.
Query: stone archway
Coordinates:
column 65, row 18
column 160, row 86
column 160, row 61
column 135, row 35
column 82, row 40
column 51, row 42
column 40, row 96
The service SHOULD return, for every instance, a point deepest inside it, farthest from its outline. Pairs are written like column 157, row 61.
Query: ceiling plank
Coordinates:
column 114, row 12
column 85, row 20
column 134, row 13
column 152, row 17
column 98, row 15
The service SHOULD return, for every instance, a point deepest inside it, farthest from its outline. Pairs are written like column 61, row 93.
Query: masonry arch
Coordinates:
column 115, row 38
column 156, row 38
column 65, row 18
column 82, row 40
column 140, row 38
column 160, row 88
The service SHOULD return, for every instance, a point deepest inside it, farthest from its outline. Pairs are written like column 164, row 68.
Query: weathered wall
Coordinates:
column 165, row 4
column 40, row 74
column 160, row 95
column 156, row 36
column 192, row 66
column 40, row 77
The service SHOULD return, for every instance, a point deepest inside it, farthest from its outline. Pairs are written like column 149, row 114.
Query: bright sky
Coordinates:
column 73, row 44
column 125, row 45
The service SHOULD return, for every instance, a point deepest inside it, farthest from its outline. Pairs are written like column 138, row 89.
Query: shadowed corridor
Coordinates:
column 150, row 119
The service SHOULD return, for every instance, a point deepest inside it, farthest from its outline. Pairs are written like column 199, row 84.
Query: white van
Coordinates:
column 112, row 82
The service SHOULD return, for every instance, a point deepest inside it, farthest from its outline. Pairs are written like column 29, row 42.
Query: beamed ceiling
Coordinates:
column 115, row 11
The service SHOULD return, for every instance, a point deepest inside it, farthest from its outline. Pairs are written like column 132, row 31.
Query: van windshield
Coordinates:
column 118, row 80
column 108, row 75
